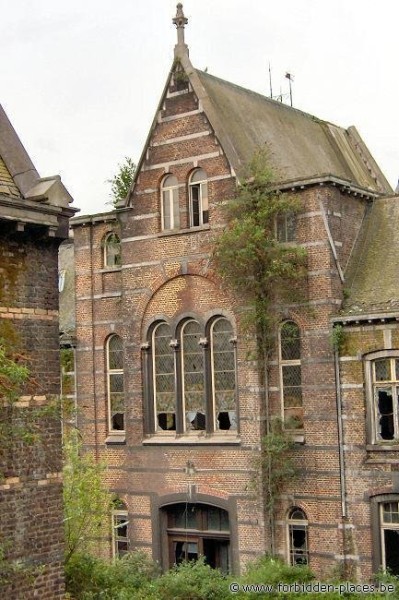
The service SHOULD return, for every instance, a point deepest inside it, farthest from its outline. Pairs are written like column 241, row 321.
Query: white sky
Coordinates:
column 81, row 79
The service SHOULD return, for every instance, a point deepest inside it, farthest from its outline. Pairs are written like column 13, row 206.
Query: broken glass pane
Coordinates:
column 385, row 412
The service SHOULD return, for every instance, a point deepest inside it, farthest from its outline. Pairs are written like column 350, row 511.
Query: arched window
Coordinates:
column 290, row 374
column 195, row 530
column 112, row 251
column 163, row 370
column 298, row 537
column 193, row 372
column 115, row 384
column 170, row 203
column 198, row 198
column 223, row 374
column 192, row 379
column 120, row 531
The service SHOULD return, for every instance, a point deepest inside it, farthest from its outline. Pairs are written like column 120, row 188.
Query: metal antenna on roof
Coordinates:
column 290, row 78
column 270, row 81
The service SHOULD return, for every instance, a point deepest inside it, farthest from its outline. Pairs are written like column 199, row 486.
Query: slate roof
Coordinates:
column 301, row 145
column 373, row 273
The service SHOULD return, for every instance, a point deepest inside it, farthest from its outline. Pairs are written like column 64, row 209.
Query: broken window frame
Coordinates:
column 113, row 374
column 297, row 522
column 206, row 418
column 170, row 209
column 292, row 405
column 112, row 257
column 198, row 198
column 120, row 521
column 389, row 385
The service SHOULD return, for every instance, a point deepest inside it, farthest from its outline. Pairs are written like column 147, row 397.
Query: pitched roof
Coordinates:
column 372, row 275
column 301, row 145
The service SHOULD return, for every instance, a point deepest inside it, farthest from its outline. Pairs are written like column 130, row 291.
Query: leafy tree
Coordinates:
column 87, row 503
column 121, row 182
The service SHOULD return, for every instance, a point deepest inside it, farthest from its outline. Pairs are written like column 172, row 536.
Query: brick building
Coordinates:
column 34, row 214
column 166, row 392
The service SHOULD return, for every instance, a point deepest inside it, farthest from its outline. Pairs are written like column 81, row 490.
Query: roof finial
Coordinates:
column 180, row 21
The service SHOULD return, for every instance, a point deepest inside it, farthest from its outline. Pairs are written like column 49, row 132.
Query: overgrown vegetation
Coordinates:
column 121, row 182
column 248, row 255
column 87, row 503
column 135, row 577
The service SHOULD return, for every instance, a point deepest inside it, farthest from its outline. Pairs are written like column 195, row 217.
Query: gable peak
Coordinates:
column 180, row 21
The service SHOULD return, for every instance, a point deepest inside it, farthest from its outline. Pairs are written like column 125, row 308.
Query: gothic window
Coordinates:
column 112, row 251
column 198, row 198
column 195, row 530
column 163, row 369
column 290, row 374
column 385, row 382
column 192, row 377
column 298, row 537
column 286, row 227
column 115, row 384
column 120, row 525
column 170, row 203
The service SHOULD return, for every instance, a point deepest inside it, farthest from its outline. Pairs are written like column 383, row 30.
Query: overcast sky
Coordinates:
column 81, row 79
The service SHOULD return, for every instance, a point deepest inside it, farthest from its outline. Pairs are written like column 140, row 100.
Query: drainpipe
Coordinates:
column 93, row 351
column 341, row 453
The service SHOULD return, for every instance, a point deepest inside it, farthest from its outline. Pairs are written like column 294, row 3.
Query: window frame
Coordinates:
column 286, row 226
column 108, row 242
column 296, row 524
column 292, row 411
column 372, row 420
column 110, row 373
column 119, row 511
column 170, row 195
column 378, row 527
column 177, row 344
column 201, row 187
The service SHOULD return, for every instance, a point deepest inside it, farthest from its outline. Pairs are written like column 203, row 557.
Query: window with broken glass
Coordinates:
column 298, row 537
column 192, row 377
column 112, row 251
column 120, row 533
column 115, row 384
column 385, row 375
column 291, row 374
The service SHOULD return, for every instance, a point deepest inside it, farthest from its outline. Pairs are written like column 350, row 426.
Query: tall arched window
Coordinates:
column 170, row 203
column 198, row 197
column 163, row 370
column 193, row 375
column 290, row 374
column 112, row 251
column 298, row 537
column 115, row 384
column 223, row 374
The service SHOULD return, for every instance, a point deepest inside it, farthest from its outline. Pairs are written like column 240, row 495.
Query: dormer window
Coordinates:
column 170, row 203
column 198, row 198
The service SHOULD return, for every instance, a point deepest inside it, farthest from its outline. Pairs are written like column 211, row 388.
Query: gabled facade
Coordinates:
column 166, row 391
column 34, row 216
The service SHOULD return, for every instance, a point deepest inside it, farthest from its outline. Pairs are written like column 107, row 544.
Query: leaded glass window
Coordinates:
column 223, row 372
column 164, row 378
column 116, row 397
column 193, row 376
column 291, row 374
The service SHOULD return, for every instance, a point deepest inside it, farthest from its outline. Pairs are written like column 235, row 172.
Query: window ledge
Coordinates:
column 381, row 447
column 197, row 440
column 298, row 437
column 168, row 232
column 110, row 270
column 116, row 439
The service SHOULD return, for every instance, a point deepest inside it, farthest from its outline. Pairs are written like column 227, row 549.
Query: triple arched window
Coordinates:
column 191, row 373
column 198, row 213
column 291, row 374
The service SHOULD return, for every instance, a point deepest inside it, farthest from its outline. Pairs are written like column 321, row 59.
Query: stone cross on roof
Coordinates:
column 180, row 21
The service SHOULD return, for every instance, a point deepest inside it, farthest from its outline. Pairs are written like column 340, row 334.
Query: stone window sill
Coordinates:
column 193, row 439
column 381, row 447
column 115, row 439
